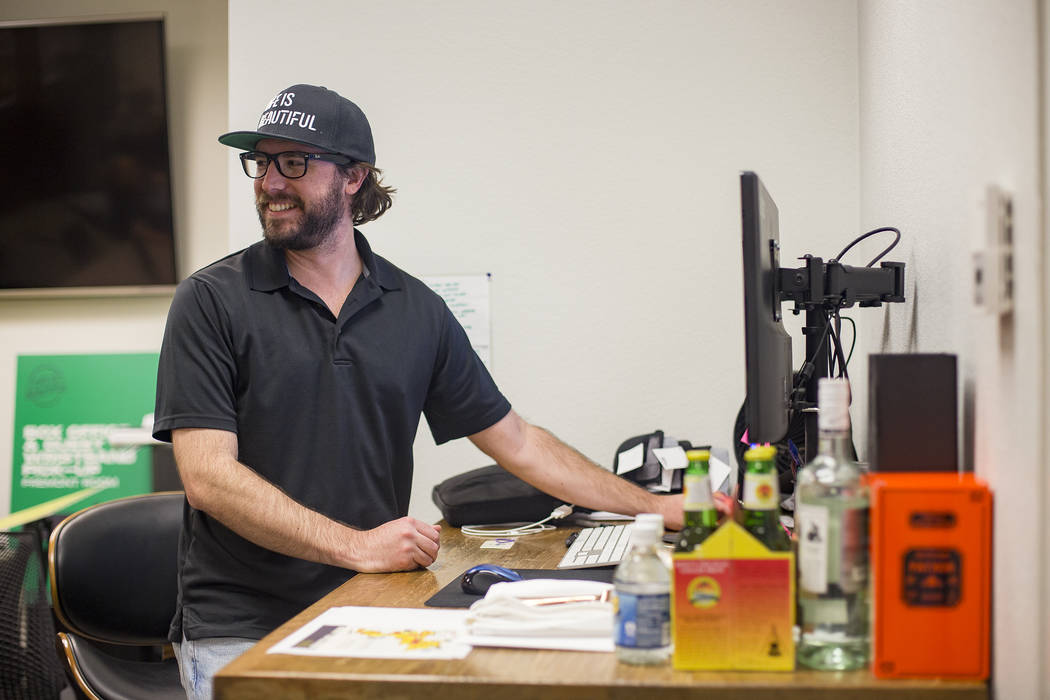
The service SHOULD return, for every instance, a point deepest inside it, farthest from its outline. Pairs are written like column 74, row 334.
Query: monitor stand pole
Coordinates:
column 817, row 344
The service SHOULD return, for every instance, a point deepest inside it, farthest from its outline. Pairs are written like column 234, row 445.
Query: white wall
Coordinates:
column 1042, row 618
column 587, row 155
column 950, row 105
column 196, row 55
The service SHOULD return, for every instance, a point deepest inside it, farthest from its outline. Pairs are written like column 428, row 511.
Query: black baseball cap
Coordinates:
column 315, row 116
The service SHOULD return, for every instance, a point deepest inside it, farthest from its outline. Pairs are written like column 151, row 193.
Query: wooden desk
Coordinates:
column 515, row 674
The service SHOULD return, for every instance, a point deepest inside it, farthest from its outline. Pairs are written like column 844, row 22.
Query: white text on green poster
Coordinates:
column 66, row 408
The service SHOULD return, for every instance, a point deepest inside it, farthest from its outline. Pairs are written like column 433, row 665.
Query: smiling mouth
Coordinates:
column 275, row 207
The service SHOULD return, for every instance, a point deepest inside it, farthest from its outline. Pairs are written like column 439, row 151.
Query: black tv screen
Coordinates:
column 86, row 178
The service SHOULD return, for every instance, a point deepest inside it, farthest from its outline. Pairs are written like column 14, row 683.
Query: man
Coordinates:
column 293, row 375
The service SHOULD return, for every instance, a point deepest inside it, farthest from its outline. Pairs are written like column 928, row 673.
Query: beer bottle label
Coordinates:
column 761, row 492
column 698, row 492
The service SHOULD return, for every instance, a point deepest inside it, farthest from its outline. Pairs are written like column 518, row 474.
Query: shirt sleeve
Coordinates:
column 197, row 370
column 462, row 398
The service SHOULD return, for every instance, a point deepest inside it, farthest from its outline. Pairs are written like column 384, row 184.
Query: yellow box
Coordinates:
column 733, row 605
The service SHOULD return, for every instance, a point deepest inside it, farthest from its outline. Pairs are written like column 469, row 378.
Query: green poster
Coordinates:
column 66, row 409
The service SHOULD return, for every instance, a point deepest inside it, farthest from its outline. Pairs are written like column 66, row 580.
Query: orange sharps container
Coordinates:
column 931, row 558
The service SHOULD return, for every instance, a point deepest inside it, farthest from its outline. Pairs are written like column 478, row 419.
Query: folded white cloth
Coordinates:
column 510, row 609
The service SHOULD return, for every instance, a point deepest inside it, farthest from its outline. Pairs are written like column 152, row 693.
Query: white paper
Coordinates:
column 380, row 633
column 502, row 619
column 607, row 515
column 671, row 457
column 666, row 475
column 559, row 643
column 467, row 297
column 719, row 473
column 631, row 459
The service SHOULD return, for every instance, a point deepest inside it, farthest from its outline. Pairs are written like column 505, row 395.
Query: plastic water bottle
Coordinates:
column 642, row 583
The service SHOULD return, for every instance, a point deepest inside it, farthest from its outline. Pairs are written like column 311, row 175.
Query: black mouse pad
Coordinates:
column 452, row 596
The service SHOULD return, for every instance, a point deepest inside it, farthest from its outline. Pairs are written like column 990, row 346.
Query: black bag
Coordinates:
column 650, row 474
column 489, row 495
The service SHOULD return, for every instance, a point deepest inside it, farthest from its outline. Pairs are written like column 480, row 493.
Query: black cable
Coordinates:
column 860, row 238
column 837, row 345
column 805, row 372
column 835, row 330
column 854, row 343
column 844, row 371
column 802, row 378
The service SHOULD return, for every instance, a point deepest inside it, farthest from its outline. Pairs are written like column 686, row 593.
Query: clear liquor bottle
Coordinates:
column 642, row 583
column 831, row 511
column 701, row 518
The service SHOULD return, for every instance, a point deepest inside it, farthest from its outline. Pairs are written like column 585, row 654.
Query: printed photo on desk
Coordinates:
column 380, row 633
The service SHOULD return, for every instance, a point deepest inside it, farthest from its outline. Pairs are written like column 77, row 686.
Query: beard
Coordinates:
column 318, row 221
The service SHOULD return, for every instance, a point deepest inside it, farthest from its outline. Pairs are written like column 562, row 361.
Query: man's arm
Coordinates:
column 536, row 456
column 218, row 484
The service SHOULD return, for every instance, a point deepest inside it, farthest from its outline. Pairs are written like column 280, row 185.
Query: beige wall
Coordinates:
column 950, row 104
column 1042, row 569
column 197, row 94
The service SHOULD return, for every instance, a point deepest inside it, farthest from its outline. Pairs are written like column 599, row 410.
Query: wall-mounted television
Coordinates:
column 86, row 179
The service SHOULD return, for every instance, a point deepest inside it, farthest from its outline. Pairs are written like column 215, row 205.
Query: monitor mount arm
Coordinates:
column 819, row 289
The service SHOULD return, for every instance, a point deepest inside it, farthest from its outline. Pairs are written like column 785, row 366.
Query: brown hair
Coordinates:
column 373, row 198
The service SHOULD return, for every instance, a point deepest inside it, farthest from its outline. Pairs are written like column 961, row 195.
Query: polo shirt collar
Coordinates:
column 268, row 270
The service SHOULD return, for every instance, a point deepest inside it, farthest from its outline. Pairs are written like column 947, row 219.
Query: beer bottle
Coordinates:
column 760, row 514
column 701, row 518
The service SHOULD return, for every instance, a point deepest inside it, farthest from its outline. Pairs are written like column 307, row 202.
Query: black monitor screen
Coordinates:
column 86, row 179
column 767, row 344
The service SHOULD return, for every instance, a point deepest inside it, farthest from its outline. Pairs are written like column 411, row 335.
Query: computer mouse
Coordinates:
column 477, row 579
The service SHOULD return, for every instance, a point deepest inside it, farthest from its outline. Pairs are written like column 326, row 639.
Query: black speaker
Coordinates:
column 912, row 413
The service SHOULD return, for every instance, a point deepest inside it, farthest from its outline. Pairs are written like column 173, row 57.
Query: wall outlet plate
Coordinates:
column 999, row 263
column 993, row 262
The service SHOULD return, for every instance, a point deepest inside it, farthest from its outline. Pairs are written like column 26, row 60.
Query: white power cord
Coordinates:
column 518, row 530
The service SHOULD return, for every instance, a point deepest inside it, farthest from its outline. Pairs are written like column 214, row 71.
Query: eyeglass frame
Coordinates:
column 337, row 158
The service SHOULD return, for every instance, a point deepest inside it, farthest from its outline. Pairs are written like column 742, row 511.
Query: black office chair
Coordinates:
column 29, row 663
column 113, row 586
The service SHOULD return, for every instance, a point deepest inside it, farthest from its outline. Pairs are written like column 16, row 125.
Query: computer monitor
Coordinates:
column 767, row 344
column 777, row 399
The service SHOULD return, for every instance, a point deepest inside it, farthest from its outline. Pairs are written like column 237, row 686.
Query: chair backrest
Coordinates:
column 113, row 569
column 29, row 662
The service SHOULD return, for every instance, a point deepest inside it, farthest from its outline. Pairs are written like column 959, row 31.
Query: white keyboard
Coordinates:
column 597, row 546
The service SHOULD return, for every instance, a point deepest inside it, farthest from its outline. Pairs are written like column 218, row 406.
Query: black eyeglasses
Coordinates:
column 290, row 164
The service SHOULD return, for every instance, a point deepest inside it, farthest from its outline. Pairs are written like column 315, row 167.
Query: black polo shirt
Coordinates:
column 325, row 408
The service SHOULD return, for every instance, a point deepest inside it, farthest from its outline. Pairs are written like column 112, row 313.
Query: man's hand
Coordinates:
column 672, row 508
column 399, row 545
column 725, row 505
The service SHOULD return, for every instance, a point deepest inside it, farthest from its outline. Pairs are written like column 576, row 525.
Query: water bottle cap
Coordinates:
column 648, row 528
column 698, row 455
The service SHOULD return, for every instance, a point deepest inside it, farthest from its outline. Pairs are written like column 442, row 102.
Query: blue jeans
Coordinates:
column 200, row 659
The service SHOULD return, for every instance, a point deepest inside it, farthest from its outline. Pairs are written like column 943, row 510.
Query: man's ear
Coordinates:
column 355, row 178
